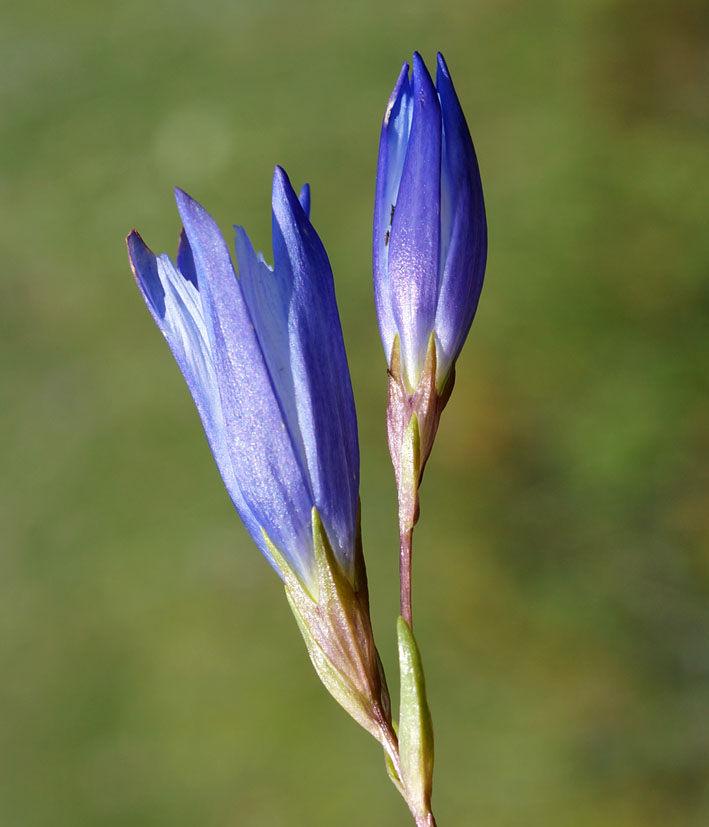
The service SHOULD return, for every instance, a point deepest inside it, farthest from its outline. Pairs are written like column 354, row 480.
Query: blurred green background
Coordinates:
column 150, row 671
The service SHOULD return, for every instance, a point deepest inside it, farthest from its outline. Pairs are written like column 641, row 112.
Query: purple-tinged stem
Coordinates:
column 405, row 549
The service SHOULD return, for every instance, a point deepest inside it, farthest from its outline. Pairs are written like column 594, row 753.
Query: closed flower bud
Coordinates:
column 430, row 234
column 430, row 250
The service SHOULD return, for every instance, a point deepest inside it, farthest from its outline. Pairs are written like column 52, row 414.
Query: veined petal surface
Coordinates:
column 266, row 464
column 176, row 306
column 320, row 374
column 263, row 355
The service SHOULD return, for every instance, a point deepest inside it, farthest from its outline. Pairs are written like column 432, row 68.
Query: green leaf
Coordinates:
column 415, row 726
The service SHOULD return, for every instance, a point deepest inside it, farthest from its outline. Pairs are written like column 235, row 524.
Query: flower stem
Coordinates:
column 408, row 482
column 406, row 536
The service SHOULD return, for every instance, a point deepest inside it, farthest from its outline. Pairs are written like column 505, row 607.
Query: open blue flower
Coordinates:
column 430, row 233
column 263, row 356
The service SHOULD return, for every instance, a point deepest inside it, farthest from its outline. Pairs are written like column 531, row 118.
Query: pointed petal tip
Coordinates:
column 143, row 263
column 182, row 198
column 304, row 198
column 185, row 258
column 140, row 256
column 283, row 192
column 189, row 206
column 185, row 204
column 280, row 177
column 192, row 213
column 421, row 76
column 244, row 245
column 183, row 244
column 443, row 75
column 137, row 249
column 280, row 180
column 402, row 83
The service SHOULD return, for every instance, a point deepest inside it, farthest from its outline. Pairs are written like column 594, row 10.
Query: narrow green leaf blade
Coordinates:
column 415, row 726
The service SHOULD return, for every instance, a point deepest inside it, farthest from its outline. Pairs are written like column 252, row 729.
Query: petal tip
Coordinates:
column 191, row 212
column 143, row 263
column 136, row 248
column 443, row 75
column 424, row 90
column 283, row 192
column 181, row 197
column 402, row 83
column 280, row 176
column 304, row 198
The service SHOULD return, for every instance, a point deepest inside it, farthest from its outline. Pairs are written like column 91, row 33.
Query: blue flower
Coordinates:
column 263, row 356
column 430, row 234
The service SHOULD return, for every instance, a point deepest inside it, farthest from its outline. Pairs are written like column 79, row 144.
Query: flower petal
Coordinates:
column 464, row 231
column 267, row 293
column 414, row 246
column 392, row 152
column 304, row 198
column 185, row 259
column 175, row 304
column 265, row 463
column 320, row 374
column 176, row 307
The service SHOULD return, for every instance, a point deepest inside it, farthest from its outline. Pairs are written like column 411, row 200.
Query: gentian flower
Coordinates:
column 263, row 356
column 430, row 249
